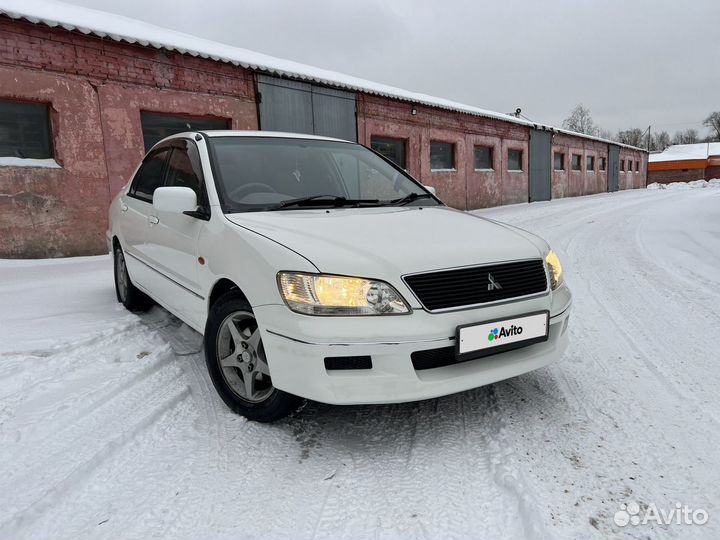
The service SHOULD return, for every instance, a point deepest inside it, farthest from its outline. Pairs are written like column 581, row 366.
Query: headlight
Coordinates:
column 555, row 269
column 323, row 294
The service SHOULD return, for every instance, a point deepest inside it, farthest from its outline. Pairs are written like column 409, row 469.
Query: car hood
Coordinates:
column 388, row 242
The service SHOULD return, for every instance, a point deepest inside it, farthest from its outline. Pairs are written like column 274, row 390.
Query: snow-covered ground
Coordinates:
column 109, row 427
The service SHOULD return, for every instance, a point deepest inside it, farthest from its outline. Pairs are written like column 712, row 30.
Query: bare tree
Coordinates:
column 687, row 136
column 713, row 122
column 660, row 141
column 633, row 137
column 580, row 121
column 605, row 134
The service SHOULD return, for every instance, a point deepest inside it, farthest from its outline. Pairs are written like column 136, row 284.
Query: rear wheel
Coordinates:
column 237, row 364
column 127, row 294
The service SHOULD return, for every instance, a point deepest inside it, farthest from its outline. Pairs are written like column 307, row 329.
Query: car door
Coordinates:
column 136, row 207
column 172, row 238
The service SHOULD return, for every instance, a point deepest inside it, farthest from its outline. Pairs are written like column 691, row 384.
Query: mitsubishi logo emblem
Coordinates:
column 492, row 284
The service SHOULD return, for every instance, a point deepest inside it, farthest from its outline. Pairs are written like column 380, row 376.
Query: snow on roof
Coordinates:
column 120, row 28
column 685, row 152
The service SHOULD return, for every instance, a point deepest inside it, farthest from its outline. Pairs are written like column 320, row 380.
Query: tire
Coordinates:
column 128, row 294
column 237, row 365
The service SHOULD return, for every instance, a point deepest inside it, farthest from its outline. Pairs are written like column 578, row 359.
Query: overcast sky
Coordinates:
column 632, row 63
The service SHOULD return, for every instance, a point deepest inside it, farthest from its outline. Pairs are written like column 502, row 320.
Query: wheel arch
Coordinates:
column 222, row 286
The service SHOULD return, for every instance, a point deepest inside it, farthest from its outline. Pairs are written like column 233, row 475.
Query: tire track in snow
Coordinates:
column 81, row 472
column 420, row 465
column 652, row 298
column 506, row 476
column 589, row 278
column 47, row 458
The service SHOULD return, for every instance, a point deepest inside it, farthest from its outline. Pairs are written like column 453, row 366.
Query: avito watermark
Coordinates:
column 680, row 514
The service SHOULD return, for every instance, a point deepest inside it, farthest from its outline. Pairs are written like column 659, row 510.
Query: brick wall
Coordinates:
column 633, row 179
column 713, row 171
column 464, row 187
column 96, row 89
column 570, row 183
column 681, row 175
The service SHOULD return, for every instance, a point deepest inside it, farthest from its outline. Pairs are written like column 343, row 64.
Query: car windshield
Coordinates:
column 263, row 173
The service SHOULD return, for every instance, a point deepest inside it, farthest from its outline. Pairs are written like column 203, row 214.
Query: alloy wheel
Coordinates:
column 241, row 357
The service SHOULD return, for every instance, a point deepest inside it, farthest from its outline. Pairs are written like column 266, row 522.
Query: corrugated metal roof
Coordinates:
column 120, row 28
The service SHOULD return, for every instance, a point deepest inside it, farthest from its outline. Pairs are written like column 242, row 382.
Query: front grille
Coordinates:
column 469, row 286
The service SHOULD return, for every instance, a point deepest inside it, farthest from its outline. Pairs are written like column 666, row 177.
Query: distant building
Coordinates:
column 84, row 94
column 685, row 162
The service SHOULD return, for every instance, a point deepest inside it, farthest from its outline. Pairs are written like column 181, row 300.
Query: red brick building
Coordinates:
column 684, row 163
column 83, row 94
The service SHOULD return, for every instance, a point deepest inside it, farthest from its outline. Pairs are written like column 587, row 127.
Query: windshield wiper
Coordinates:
column 410, row 198
column 323, row 200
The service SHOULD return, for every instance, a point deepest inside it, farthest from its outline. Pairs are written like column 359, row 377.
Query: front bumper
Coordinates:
column 296, row 346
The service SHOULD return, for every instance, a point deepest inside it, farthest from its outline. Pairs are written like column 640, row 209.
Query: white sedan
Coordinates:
column 316, row 268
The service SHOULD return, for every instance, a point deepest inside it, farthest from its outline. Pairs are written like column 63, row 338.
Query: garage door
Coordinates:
column 540, row 163
column 300, row 107
column 613, row 167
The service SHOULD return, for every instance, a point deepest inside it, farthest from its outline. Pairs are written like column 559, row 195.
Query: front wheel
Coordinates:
column 237, row 364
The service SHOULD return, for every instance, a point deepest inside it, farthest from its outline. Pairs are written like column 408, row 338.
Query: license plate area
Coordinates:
column 475, row 341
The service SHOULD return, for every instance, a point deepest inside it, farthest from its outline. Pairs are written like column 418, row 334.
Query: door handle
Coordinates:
column 153, row 220
column 124, row 207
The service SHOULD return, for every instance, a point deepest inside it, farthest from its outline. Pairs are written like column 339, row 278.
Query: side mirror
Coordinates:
column 430, row 189
column 174, row 199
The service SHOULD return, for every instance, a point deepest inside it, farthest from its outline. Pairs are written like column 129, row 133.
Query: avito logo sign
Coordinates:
column 497, row 333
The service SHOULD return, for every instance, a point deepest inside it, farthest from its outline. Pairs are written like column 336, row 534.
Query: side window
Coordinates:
column 150, row 176
column 184, row 169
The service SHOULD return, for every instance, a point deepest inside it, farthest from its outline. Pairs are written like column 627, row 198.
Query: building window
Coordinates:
column 622, row 165
column 483, row 158
column 514, row 160
column 603, row 163
column 25, row 130
column 393, row 149
column 576, row 162
column 637, row 166
column 156, row 127
column 559, row 161
column 442, row 156
column 590, row 163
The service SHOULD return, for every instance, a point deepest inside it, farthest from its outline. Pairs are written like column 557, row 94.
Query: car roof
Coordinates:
column 268, row 134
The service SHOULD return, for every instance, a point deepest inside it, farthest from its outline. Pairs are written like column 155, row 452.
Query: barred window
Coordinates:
column 576, row 162
column 442, row 156
column 483, row 158
column 25, row 130
column 393, row 149
column 515, row 160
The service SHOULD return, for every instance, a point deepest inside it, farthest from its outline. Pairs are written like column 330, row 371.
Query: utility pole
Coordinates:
column 648, row 140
